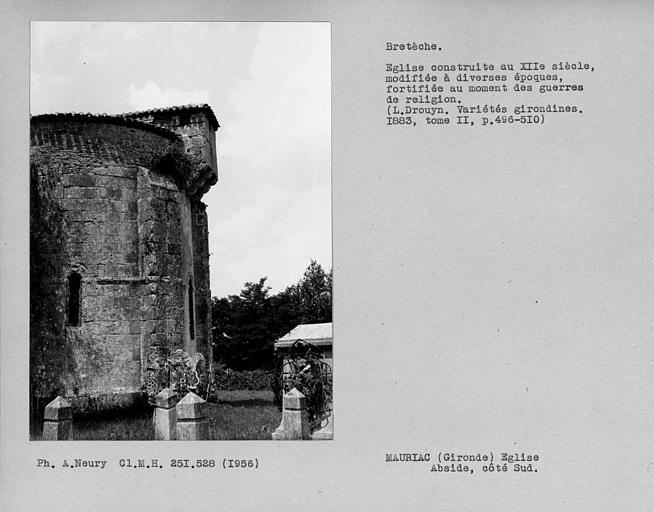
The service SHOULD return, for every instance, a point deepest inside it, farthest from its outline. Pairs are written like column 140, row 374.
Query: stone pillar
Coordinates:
column 192, row 422
column 295, row 420
column 57, row 420
column 165, row 416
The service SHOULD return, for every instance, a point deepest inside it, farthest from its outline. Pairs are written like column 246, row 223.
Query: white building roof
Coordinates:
column 318, row 334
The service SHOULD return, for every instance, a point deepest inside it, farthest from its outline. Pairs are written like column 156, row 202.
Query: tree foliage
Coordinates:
column 246, row 326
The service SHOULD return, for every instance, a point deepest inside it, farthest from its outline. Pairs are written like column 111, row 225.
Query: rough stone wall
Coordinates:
column 120, row 229
column 199, row 141
column 48, row 253
column 161, row 248
column 201, row 267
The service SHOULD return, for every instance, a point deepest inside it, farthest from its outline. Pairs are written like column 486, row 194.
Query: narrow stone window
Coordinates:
column 191, row 310
column 74, row 285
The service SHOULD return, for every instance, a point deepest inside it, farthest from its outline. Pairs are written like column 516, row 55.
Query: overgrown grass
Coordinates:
column 239, row 415
column 243, row 415
column 245, row 397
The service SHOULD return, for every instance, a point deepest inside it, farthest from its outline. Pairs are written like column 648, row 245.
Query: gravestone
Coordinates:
column 295, row 419
column 192, row 424
column 165, row 415
column 57, row 420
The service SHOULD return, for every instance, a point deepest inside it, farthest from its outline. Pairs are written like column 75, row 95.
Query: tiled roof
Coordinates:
column 119, row 119
column 191, row 107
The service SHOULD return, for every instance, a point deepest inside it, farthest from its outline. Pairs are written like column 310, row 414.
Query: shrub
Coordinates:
column 226, row 379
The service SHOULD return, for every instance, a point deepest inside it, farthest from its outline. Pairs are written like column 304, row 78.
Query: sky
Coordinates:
column 269, row 86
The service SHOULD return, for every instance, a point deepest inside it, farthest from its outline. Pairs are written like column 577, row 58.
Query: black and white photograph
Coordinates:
column 180, row 231
column 343, row 255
